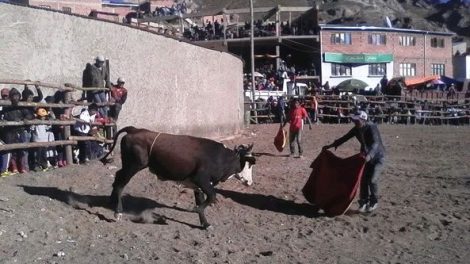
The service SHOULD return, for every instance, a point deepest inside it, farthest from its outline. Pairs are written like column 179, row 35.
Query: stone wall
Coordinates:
column 173, row 86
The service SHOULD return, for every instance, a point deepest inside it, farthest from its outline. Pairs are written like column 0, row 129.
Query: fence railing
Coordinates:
column 335, row 106
column 66, row 121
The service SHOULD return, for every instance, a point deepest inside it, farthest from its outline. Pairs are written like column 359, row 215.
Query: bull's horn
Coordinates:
column 250, row 146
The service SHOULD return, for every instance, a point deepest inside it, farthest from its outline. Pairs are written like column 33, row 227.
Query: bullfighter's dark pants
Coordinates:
column 369, row 181
column 294, row 137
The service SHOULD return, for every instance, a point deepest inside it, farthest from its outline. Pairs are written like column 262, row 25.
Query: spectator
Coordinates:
column 28, row 96
column 326, row 86
column 59, row 133
column 44, row 157
column 119, row 97
column 5, row 156
column 83, row 128
column 296, row 119
column 16, row 134
column 314, row 109
column 383, row 84
column 4, row 93
column 97, row 75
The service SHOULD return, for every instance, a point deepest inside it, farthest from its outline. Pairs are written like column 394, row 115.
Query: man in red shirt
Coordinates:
column 119, row 97
column 296, row 118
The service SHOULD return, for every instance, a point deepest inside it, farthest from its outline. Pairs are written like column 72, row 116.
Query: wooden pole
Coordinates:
column 36, row 144
column 67, row 134
column 90, row 138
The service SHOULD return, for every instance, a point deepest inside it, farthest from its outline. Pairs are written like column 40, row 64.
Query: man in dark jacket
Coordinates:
column 16, row 134
column 372, row 148
column 96, row 75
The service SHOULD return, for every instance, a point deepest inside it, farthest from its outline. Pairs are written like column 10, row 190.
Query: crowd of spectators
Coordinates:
column 215, row 30
column 177, row 9
column 41, row 158
column 88, row 122
column 269, row 79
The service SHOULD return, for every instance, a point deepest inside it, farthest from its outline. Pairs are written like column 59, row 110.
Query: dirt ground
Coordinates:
column 62, row 216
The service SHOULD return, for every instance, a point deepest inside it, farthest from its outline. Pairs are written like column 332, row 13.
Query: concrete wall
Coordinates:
column 174, row 86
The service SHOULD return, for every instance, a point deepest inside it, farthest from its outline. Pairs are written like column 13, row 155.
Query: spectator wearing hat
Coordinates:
column 43, row 156
column 119, row 97
column 16, row 134
column 374, row 152
column 97, row 75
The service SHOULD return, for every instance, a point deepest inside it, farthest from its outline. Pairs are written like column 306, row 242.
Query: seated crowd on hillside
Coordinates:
column 215, row 30
column 88, row 121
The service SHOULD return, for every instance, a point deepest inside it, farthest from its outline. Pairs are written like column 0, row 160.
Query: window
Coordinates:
column 379, row 69
column 408, row 69
column 377, row 39
column 341, row 38
column 438, row 69
column 340, row 70
column 67, row 9
column 437, row 42
column 407, row 41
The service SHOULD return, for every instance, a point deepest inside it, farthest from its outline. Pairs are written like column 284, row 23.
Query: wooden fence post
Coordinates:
column 67, row 134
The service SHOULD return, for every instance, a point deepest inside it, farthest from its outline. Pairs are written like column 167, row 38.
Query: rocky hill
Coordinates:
column 433, row 15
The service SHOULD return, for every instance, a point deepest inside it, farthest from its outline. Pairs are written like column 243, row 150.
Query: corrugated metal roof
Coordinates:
column 370, row 28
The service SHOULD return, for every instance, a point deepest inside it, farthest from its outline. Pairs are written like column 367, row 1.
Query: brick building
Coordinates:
column 369, row 53
column 82, row 7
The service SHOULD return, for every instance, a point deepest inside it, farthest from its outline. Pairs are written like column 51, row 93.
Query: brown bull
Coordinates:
column 198, row 163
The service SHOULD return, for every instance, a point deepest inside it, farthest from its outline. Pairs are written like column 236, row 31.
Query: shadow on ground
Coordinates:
column 131, row 205
column 271, row 203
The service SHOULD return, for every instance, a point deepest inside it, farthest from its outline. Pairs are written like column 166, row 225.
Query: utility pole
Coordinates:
column 252, row 44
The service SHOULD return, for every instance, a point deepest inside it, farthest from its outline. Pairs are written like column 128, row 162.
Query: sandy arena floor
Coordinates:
column 62, row 216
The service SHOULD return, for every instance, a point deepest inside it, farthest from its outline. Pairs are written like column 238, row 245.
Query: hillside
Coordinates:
column 418, row 14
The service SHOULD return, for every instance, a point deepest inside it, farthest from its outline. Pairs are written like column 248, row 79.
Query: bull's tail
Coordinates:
column 128, row 129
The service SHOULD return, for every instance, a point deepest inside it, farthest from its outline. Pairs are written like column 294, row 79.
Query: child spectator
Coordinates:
column 83, row 128
column 43, row 156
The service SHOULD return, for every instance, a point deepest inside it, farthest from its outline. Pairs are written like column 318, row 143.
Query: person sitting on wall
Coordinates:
column 119, row 97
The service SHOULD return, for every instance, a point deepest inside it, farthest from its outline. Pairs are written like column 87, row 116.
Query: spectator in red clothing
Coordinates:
column 119, row 97
column 296, row 118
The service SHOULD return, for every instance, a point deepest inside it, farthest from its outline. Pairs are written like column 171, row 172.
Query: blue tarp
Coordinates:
column 448, row 81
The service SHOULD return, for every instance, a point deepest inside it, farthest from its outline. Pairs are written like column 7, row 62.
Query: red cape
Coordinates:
column 280, row 139
column 333, row 182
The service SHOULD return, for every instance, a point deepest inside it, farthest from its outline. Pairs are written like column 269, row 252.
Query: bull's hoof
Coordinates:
column 118, row 216
column 207, row 226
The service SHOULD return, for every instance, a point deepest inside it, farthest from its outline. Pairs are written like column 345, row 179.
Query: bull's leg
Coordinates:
column 123, row 176
column 199, row 195
column 207, row 188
